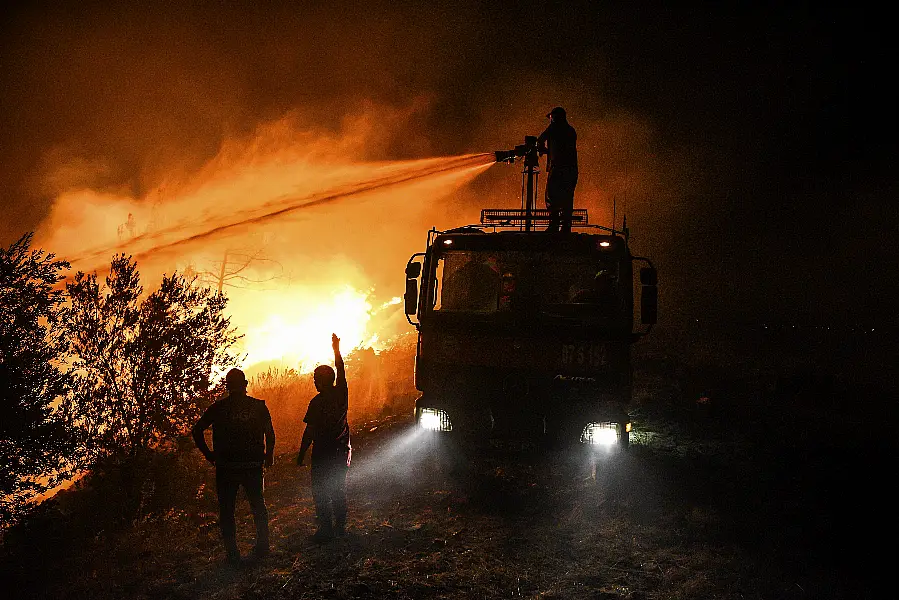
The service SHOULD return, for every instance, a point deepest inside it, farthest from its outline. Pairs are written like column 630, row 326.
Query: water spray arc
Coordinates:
column 310, row 213
column 184, row 233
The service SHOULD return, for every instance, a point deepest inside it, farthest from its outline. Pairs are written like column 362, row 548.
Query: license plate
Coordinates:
column 512, row 445
column 586, row 356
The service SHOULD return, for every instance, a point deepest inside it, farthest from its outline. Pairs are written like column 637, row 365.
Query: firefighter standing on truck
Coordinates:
column 243, row 440
column 328, row 432
column 559, row 142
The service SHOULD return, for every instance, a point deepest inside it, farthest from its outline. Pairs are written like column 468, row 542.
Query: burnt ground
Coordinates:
column 673, row 518
column 759, row 498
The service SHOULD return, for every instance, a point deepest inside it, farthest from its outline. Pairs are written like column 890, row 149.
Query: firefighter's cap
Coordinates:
column 557, row 111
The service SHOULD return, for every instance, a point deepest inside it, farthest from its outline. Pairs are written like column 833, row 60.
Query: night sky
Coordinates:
column 768, row 131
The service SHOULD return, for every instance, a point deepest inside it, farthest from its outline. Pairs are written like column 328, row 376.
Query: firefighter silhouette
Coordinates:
column 559, row 142
column 243, row 442
column 328, row 433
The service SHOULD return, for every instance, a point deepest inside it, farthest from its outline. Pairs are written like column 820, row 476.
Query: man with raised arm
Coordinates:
column 243, row 442
column 328, row 432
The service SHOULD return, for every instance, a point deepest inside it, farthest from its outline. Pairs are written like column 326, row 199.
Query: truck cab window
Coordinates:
column 584, row 286
column 466, row 282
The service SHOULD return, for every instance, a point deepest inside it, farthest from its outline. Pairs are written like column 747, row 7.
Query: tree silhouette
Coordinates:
column 34, row 438
column 142, row 368
column 233, row 269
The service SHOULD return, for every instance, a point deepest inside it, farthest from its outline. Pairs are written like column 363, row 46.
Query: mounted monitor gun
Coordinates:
column 528, row 151
column 525, row 150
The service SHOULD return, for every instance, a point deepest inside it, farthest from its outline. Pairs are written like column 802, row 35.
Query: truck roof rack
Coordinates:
column 515, row 217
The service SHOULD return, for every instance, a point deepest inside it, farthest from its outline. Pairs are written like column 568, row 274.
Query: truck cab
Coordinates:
column 524, row 337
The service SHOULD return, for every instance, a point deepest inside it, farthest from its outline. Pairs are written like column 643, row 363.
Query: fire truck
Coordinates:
column 524, row 336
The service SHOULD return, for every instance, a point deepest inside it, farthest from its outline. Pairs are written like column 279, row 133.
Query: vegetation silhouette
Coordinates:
column 34, row 438
column 141, row 366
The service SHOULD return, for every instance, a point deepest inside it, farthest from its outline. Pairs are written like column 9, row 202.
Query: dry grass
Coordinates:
column 640, row 529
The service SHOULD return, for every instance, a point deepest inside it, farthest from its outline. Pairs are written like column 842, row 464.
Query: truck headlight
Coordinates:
column 602, row 434
column 434, row 419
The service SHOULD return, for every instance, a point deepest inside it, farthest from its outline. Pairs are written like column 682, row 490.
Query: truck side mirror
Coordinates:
column 413, row 270
column 649, row 302
column 411, row 295
column 649, row 276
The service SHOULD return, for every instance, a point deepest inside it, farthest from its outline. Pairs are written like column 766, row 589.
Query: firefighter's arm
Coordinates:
column 304, row 445
column 541, row 141
column 338, row 361
column 200, row 439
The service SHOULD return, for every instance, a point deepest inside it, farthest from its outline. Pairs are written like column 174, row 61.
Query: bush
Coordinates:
column 34, row 438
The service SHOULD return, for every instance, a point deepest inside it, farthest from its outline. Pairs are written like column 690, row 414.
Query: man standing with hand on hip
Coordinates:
column 243, row 442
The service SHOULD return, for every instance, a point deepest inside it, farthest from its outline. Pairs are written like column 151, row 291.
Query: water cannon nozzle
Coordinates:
column 525, row 150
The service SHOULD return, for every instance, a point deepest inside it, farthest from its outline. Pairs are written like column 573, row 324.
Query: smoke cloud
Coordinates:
column 228, row 134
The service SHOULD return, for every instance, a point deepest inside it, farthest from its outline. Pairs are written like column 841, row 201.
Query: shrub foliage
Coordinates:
column 34, row 438
column 142, row 368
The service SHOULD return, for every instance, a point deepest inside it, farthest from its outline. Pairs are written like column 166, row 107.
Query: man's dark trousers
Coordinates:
column 560, row 197
column 329, row 490
column 227, row 481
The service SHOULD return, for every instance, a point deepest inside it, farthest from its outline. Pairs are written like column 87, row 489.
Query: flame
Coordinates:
column 292, row 328
column 299, row 335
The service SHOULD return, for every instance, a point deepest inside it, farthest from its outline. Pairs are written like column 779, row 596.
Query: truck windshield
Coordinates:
column 528, row 282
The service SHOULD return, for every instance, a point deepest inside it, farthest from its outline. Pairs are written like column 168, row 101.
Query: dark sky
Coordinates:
column 769, row 131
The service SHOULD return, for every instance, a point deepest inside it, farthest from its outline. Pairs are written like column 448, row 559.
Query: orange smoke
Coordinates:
column 304, row 239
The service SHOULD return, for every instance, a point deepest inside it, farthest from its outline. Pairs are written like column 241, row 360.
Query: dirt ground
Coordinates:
column 696, row 511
